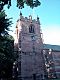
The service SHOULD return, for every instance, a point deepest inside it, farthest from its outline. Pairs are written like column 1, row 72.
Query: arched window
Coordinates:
column 31, row 29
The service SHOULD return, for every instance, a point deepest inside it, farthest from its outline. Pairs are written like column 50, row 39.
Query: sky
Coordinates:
column 49, row 14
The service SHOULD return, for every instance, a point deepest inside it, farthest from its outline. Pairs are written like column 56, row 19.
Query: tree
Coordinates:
column 6, row 57
column 4, row 2
column 20, row 3
column 31, row 3
column 6, row 47
column 5, row 23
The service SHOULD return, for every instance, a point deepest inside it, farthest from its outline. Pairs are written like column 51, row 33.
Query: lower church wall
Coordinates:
column 31, row 64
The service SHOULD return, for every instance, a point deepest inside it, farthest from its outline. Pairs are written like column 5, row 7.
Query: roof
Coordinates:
column 49, row 46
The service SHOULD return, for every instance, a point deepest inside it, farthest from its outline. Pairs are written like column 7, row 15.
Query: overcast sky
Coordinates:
column 49, row 14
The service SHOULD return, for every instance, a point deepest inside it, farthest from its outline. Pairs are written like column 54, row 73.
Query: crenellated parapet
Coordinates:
column 29, row 19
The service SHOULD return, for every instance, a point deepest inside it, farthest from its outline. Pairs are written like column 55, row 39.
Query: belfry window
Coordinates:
column 31, row 29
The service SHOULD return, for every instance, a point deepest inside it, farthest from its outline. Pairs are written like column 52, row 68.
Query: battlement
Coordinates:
column 29, row 19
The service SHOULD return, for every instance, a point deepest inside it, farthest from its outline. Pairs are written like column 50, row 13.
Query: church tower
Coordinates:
column 30, row 45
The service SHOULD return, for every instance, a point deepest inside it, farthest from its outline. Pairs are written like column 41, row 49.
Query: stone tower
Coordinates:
column 30, row 45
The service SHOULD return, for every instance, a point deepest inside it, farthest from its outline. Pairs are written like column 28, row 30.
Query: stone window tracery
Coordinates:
column 31, row 29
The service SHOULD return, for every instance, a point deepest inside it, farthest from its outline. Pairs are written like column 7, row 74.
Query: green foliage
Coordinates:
column 31, row 3
column 5, row 23
column 4, row 2
column 6, row 47
column 20, row 3
column 6, row 56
